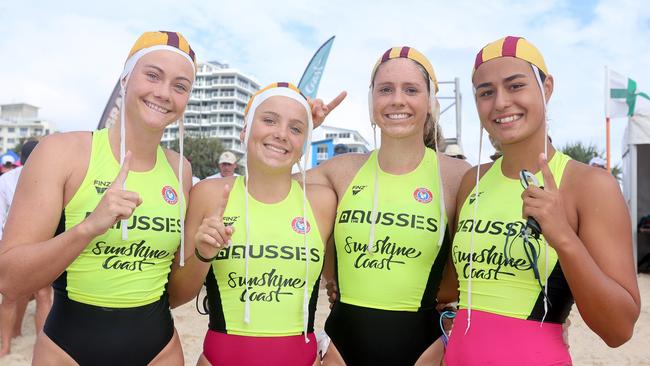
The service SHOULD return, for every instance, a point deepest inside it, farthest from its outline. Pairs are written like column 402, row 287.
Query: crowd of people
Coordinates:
column 400, row 235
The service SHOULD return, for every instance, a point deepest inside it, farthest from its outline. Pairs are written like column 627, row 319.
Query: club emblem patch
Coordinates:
column 423, row 195
column 298, row 225
column 169, row 194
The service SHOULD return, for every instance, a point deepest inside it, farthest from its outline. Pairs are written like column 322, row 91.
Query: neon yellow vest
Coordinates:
column 503, row 281
column 403, row 272
column 110, row 272
column 276, row 273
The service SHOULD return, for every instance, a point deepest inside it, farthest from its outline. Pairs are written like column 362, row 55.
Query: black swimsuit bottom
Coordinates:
column 366, row 336
column 94, row 335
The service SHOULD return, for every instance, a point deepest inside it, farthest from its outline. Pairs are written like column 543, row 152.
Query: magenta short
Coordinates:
column 500, row 340
column 234, row 350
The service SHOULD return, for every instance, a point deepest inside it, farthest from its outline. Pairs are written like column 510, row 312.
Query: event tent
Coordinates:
column 636, row 183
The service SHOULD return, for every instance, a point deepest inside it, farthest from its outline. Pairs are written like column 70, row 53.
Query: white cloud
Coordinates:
column 65, row 58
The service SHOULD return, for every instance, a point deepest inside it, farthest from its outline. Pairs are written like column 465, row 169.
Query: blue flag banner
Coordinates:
column 310, row 79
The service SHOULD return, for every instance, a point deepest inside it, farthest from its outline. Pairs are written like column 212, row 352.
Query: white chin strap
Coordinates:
column 476, row 203
column 257, row 100
column 435, row 113
column 124, row 81
column 541, row 88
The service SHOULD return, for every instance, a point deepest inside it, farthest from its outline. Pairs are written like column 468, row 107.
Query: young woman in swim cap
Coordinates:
column 100, row 215
column 517, row 285
column 388, row 272
column 259, row 247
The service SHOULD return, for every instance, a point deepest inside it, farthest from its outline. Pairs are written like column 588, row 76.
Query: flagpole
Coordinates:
column 609, row 169
column 607, row 96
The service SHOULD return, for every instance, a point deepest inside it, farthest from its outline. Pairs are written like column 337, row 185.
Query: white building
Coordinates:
column 216, row 106
column 18, row 121
column 326, row 139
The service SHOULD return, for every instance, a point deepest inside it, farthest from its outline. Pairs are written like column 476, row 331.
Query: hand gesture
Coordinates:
column 546, row 206
column 212, row 235
column 319, row 110
column 116, row 204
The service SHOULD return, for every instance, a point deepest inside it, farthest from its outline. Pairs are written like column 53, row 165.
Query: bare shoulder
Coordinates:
column 50, row 178
column 172, row 157
column 338, row 171
column 344, row 163
column 583, row 183
column 454, row 165
column 65, row 143
column 469, row 179
column 321, row 195
column 209, row 189
column 452, row 170
column 63, row 152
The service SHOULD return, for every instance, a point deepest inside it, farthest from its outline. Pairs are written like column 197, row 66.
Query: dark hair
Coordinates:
column 27, row 150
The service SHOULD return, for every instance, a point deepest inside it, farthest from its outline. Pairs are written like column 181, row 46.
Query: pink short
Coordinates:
column 500, row 340
column 234, row 350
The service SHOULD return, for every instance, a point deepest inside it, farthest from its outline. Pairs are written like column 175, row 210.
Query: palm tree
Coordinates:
column 202, row 152
column 583, row 153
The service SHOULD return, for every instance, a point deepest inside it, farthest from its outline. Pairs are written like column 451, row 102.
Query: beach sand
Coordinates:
column 586, row 348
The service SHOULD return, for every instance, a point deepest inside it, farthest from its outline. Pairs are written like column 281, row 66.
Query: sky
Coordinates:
column 66, row 56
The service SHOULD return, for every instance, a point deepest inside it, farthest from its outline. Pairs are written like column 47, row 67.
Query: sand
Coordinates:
column 586, row 348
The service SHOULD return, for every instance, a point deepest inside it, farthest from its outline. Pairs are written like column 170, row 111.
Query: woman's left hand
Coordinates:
column 546, row 206
column 320, row 110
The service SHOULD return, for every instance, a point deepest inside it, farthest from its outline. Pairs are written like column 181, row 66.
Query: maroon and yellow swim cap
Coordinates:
column 510, row 46
column 412, row 54
column 163, row 38
column 158, row 40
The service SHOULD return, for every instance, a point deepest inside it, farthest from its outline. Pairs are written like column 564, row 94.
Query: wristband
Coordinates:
column 202, row 258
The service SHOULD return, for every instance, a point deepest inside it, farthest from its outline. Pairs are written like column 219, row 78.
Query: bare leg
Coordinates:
column 432, row 355
column 7, row 320
column 171, row 355
column 203, row 361
column 47, row 353
column 333, row 357
column 21, row 306
column 43, row 305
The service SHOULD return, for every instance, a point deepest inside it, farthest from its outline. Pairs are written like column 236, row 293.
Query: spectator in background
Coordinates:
column 8, row 164
column 12, row 311
column 341, row 149
column 597, row 162
column 227, row 165
column 455, row 151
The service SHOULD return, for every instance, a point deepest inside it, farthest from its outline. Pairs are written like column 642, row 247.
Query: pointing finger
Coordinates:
column 549, row 180
column 124, row 171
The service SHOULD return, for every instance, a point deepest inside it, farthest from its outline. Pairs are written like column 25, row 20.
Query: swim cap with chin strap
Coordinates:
column 290, row 91
column 520, row 48
column 434, row 110
column 146, row 43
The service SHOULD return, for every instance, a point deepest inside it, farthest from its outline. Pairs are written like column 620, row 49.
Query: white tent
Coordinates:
column 636, row 179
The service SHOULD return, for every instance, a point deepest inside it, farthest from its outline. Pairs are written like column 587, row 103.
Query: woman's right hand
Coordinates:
column 320, row 110
column 116, row 204
column 213, row 235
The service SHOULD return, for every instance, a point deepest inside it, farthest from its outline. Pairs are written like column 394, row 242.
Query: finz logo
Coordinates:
column 169, row 194
column 357, row 189
column 230, row 220
column 423, row 195
column 101, row 186
column 474, row 196
column 298, row 225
